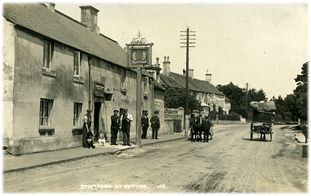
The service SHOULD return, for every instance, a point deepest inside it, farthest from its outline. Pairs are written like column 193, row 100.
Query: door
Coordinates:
column 97, row 106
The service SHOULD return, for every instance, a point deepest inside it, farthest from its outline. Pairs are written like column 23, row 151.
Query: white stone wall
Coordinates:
column 8, row 80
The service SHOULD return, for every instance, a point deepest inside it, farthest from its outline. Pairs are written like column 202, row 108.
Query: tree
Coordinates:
column 283, row 108
column 234, row 93
column 301, row 92
column 237, row 95
column 176, row 97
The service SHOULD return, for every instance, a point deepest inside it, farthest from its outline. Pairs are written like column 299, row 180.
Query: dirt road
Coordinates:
column 229, row 163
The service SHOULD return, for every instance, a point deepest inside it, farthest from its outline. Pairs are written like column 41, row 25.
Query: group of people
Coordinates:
column 120, row 122
column 155, row 125
column 199, row 125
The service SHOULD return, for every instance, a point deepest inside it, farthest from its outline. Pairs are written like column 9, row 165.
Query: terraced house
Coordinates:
column 55, row 68
column 206, row 93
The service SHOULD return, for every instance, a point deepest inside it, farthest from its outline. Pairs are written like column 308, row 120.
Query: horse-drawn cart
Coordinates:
column 262, row 119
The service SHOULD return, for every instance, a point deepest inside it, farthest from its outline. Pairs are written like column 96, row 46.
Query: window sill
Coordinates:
column 48, row 72
column 77, row 79
column 43, row 131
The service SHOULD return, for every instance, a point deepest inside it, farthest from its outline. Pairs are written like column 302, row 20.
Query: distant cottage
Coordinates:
column 206, row 93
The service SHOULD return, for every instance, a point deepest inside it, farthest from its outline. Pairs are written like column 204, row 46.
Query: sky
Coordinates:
column 262, row 44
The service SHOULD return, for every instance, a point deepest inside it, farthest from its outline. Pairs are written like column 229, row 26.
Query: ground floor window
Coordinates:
column 77, row 114
column 46, row 106
column 45, row 110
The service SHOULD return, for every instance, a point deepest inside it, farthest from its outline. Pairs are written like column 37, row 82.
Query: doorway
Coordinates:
column 97, row 121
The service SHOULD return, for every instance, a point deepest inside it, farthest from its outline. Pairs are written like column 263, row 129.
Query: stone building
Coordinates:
column 206, row 93
column 55, row 68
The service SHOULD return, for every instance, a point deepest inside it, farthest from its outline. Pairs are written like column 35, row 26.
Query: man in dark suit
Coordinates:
column 115, row 126
column 144, row 125
column 206, row 126
column 197, row 127
column 155, row 124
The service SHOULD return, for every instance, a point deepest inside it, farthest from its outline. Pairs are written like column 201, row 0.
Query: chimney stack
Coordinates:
column 208, row 77
column 157, row 62
column 190, row 74
column 166, row 66
column 89, row 18
column 50, row 6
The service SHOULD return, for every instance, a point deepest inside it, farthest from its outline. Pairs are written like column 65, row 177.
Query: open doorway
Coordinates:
column 97, row 106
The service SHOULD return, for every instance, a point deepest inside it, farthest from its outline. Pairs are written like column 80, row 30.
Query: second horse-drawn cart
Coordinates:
column 263, row 114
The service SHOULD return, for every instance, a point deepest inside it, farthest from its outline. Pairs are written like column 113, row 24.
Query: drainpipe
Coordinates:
column 90, row 90
column 152, row 97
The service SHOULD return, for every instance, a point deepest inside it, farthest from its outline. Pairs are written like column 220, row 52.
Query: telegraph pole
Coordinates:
column 138, row 106
column 186, row 43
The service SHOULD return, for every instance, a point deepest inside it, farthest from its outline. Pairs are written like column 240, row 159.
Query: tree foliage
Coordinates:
column 294, row 106
column 240, row 98
column 176, row 97
column 301, row 92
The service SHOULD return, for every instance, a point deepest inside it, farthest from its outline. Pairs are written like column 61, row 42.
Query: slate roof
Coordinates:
column 159, row 85
column 179, row 81
column 59, row 27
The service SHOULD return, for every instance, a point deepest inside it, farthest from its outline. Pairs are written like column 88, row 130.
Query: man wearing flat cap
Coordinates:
column 115, row 126
column 87, row 122
column 155, row 124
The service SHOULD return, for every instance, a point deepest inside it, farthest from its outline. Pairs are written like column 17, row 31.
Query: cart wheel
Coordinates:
column 270, row 137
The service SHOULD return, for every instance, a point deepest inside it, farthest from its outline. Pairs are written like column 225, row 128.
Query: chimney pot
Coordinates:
column 208, row 77
column 166, row 66
column 157, row 61
column 191, row 73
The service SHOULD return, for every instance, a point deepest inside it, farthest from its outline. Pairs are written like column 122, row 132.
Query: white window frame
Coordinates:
column 46, row 106
column 77, row 114
column 76, row 63
column 48, row 50
column 146, row 85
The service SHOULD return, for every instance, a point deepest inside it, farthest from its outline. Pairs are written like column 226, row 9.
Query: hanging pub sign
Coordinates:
column 139, row 56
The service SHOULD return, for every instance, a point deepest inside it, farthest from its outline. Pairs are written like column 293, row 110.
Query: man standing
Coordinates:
column 115, row 126
column 200, row 126
column 144, row 125
column 87, row 122
column 155, row 124
column 126, row 120
column 191, row 125
column 206, row 126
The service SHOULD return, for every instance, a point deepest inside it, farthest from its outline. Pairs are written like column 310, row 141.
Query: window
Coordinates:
column 76, row 63
column 47, row 54
column 77, row 114
column 45, row 111
column 146, row 85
